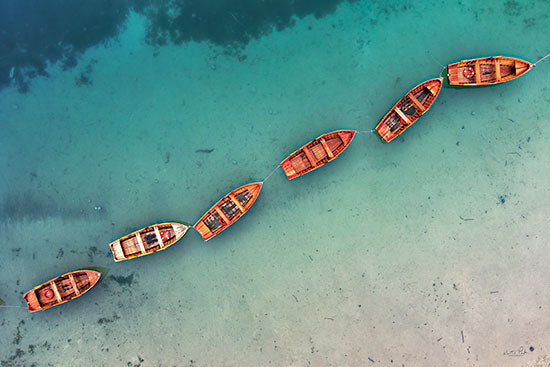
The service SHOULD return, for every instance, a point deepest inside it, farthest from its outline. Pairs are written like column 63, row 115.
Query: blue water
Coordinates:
column 428, row 251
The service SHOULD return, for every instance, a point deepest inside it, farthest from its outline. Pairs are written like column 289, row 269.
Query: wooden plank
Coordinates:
column 222, row 214
column 35, row 301
column 159, row 238
column 327, row 149
column 237, row 202
column 140, row 243
column 497, row 70
column 344, row 138
column 203, row 229
column 402, row 115
column 75, row 287
column 309, row 156
column 288, row 168
column 417, row 103
column 431, row 88
column 119, row 251
column 478, row 72
column 55, row 291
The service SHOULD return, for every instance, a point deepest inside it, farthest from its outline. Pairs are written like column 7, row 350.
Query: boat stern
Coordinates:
column 116, row 248
column 203, row 230
column 384, row 133
column 32, row 301
column 452, row 72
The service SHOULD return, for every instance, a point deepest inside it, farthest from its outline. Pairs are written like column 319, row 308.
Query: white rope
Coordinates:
column 268, row 176
column 541, row 59
column 434, row 59
column 8, row 306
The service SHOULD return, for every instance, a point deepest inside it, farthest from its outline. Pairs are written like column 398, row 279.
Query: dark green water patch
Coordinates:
column 20, row 206
column 34, row 33
column 228, row 23
column 123, row 280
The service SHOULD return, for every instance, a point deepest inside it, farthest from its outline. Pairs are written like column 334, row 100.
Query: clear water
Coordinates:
column 428, row 251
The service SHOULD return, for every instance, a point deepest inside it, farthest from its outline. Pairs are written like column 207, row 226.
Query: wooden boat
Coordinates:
column 409, row 109
column 147, row 240
column 226, row 211
column 316, row 153
column 61, row 289
column 486, row 70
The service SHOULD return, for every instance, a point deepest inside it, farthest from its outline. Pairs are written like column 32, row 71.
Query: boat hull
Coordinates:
column 408, row 109
column 486, row 71
column 61, row 289
column 228, row 210
column 147, row 240
column 316, row 153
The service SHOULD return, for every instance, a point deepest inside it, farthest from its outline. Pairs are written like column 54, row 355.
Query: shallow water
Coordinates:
column 428, row 251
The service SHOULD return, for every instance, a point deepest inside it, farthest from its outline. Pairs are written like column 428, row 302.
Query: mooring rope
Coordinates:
column 9, row 306
column 434, row 59
column 541, row 59
column 106, row 270
column 268, row 176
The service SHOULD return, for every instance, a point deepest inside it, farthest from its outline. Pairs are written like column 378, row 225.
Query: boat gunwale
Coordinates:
column 92, row 275
column 529, row 66
column 438, row 81
column 211, row 211
column 324, row 160
column 165, row 245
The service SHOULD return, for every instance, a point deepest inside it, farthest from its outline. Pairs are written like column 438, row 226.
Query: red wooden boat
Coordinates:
column 409, row 109
column 147, row 240
column 487, row 70
column 61, row 289
column 226, row 211
column 316, row 153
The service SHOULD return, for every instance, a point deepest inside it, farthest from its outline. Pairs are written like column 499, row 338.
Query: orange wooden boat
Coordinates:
column 61, row 289
column 226, row 211
column 486, row 70
column 409, row 109
column 316, row 153
column 147, row 240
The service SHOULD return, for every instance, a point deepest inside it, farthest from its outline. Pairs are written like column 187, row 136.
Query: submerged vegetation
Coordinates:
column 228, row 23
column 35, row 33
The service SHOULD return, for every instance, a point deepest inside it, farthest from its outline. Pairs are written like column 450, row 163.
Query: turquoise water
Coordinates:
column 428, row 251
